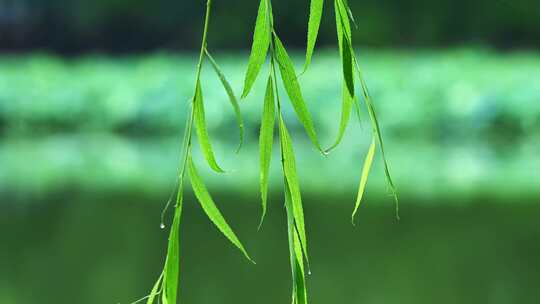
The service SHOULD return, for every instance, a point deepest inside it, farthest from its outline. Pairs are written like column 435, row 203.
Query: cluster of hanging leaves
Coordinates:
column 350, row 67
column 267, row 47
column 266, row 43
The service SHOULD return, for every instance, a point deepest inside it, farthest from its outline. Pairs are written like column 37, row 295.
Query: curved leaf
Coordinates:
column 315, row 14
column 296, row 255
column 348, row 66
column 211, row 210
column 202, row 132
column 232, row 98
column 343, row 26
column 300, row 278
column 259, row 49
column 377, row 133
column 266, row 139
column 346, row 52
column 364, row 177
column 346, row 109
column 172, row 264
column 292, row 185
column 292, row 87
column 349, row 12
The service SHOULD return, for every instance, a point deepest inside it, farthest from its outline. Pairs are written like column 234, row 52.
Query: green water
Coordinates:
column 89, row 248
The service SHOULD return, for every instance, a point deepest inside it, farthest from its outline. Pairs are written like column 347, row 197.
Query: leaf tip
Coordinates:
column 261, row 221
column 245, row 93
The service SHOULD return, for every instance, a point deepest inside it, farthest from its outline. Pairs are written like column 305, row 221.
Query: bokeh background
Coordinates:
column 93, row 96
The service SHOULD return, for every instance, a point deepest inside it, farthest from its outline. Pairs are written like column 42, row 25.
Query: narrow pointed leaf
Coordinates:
column 211, row 210
column 349, row 12
column 292, row 184
column 201, row 130
column 368, row 162
column 300, row 279
column 259, row 49
column 348, row 65
column 290, row 235
column 164, row 299
column 292, row 87
column 344, row 34
column 346, row 109
column 343, row 10
column 346, row 52
column 232, row 98
column 296, row 253
column 315, row 14
column 377, row 133
column 172, row 263
column 266, row 139
column 343, row 26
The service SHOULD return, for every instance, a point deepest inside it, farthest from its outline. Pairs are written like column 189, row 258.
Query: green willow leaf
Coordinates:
column 172, row 264
column 348, row 66
column 343, row 26
column 346, row 52
column 259, row 49
column 368, row 162
column 346, row 109
column 266, row 139
column 202, row 132
column 292, row 87
column 342, row 11
column 315, row 14
column 295, row 252
column 292, row 184
column 232, row 97
column 377, row 133
column 211, row 210
column 300, row 279
column 349, row 13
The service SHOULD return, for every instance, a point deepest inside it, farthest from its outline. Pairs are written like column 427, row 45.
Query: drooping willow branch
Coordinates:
column 266, row 43
column 266, row 40
column 166, row 287
column 350, row 67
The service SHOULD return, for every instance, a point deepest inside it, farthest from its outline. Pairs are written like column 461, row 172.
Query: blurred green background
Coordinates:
column 93, row 96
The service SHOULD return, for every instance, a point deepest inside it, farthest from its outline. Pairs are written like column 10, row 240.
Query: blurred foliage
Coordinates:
column 459, row 94
column 464, row 122
column 130, row 25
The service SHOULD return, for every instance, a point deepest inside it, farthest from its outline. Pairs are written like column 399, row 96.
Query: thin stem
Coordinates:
column 274, row 78
column 205, row 34
column 189, row 123
column 187, row 139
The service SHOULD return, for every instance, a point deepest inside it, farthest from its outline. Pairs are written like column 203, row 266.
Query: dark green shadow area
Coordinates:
column 108, row 249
